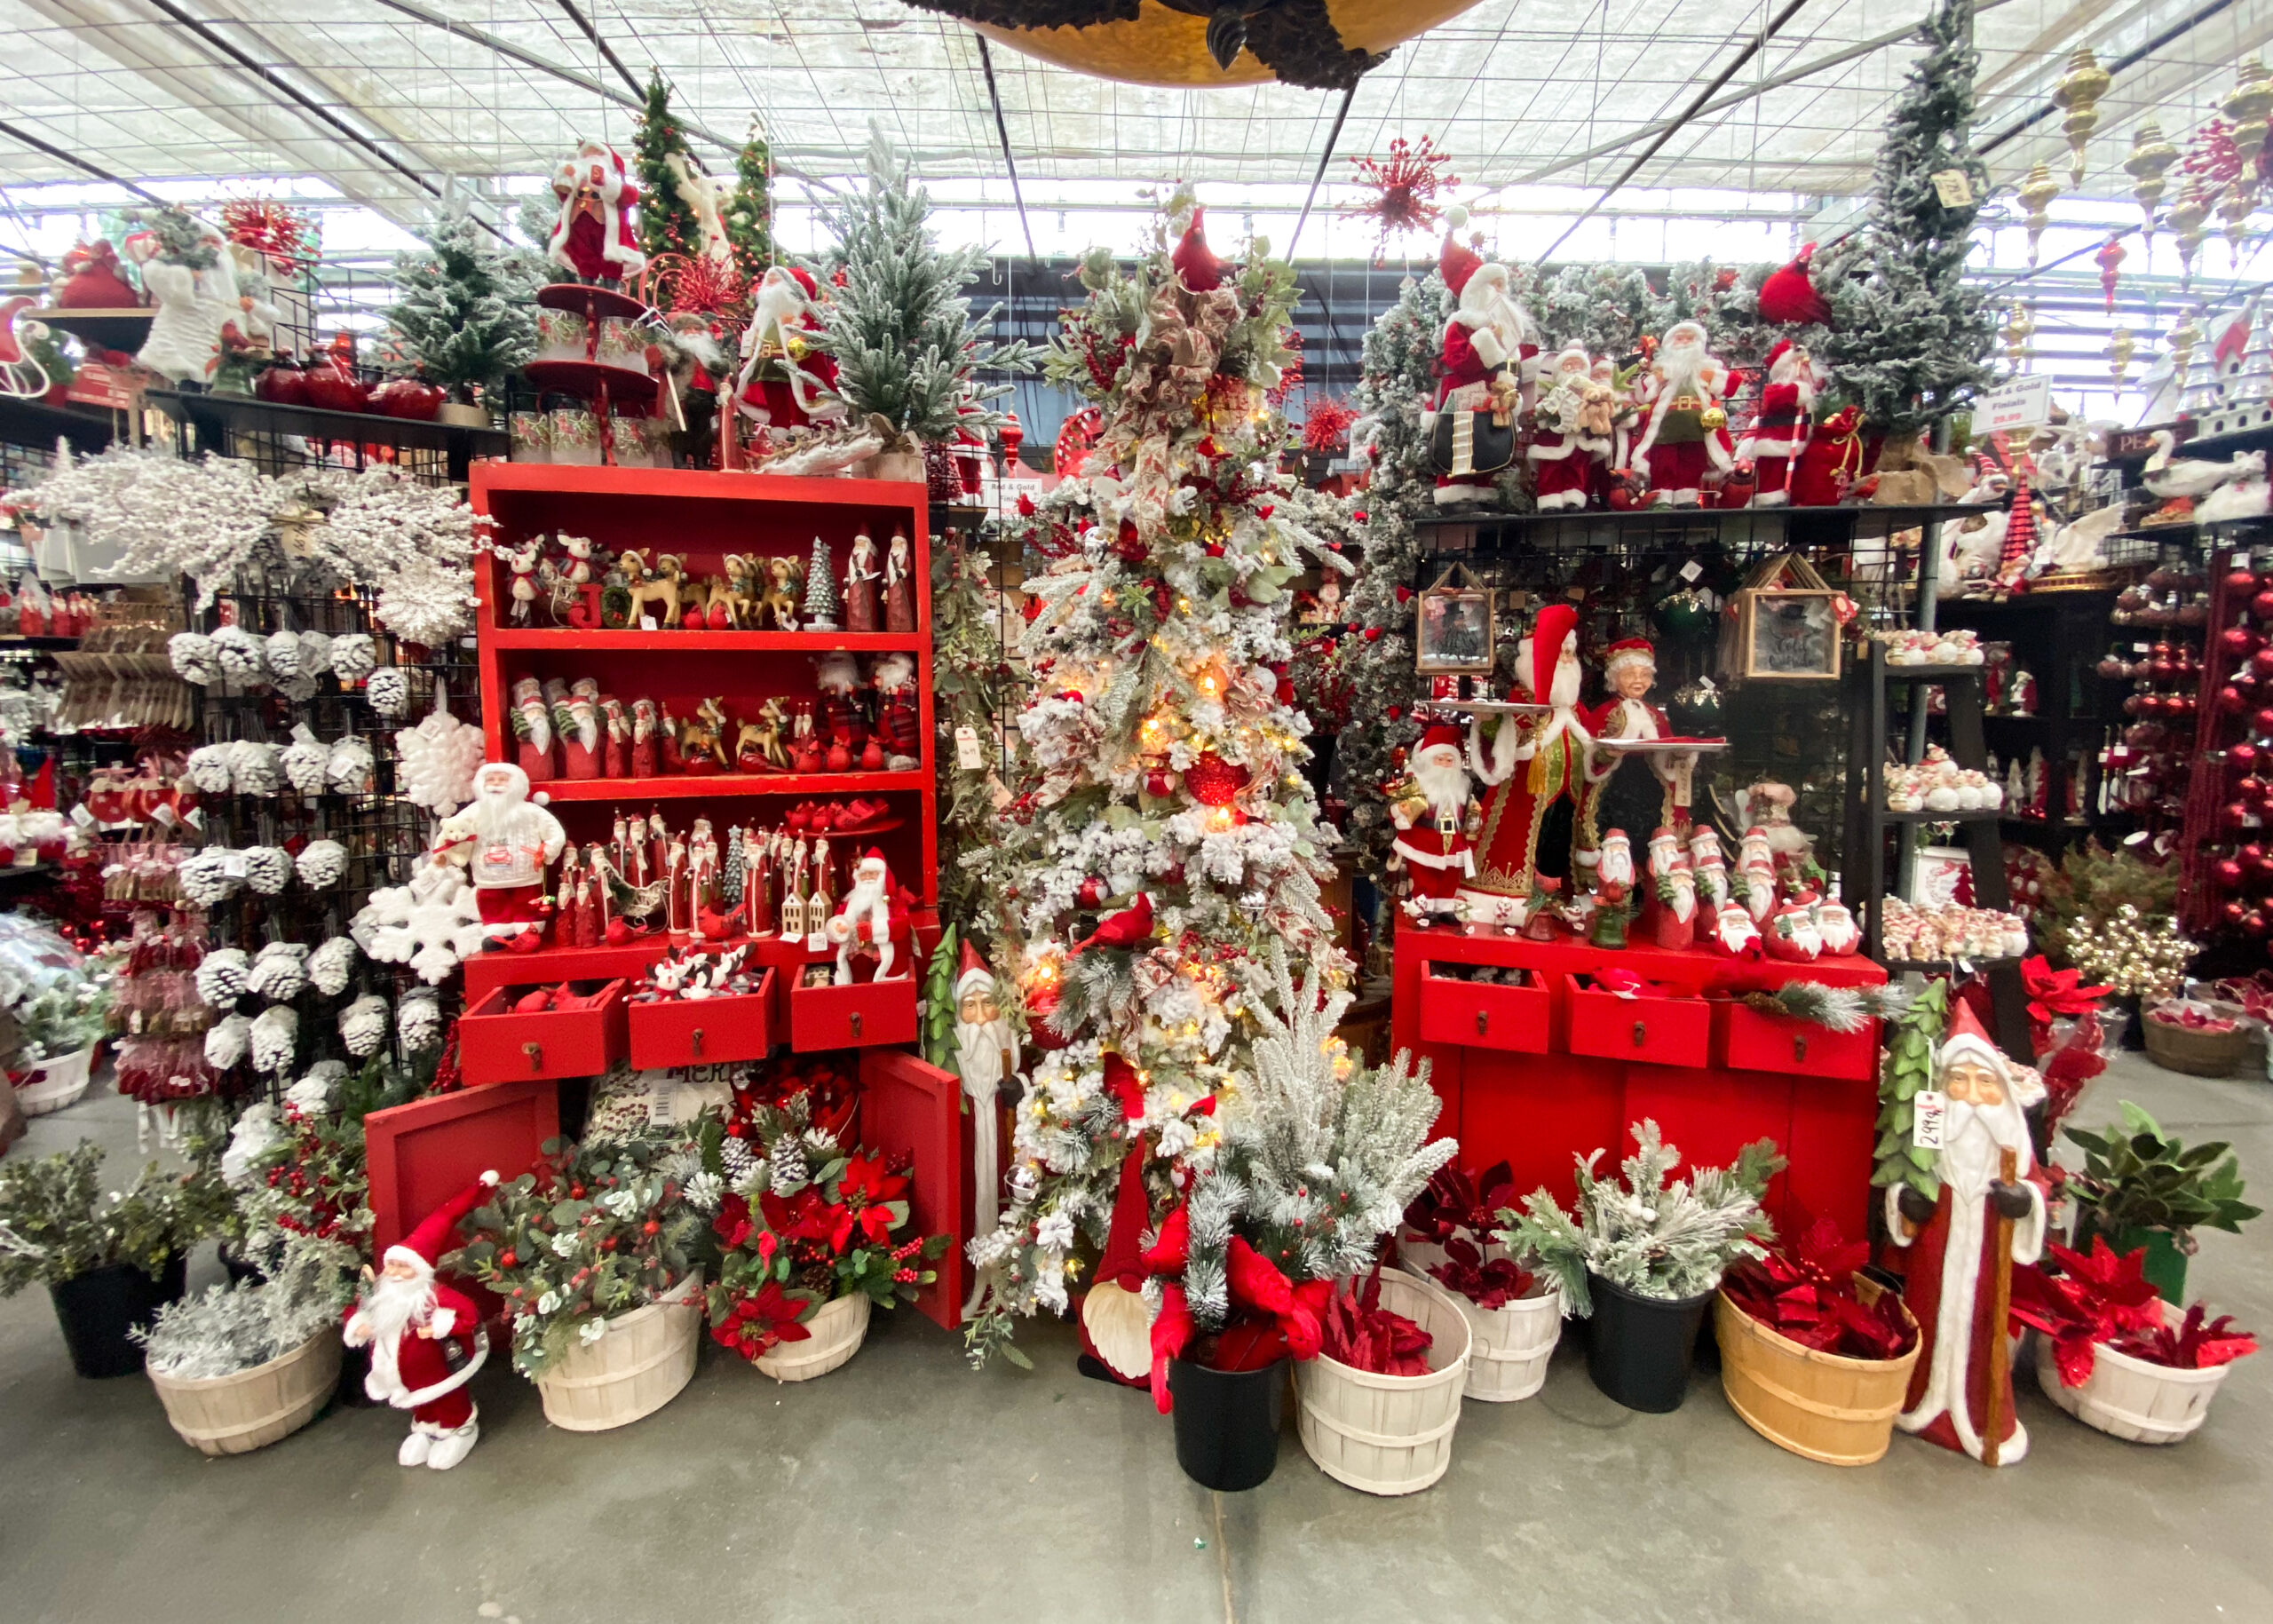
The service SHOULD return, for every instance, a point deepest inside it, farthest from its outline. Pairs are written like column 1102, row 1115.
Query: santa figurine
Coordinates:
column 897, row 719
column 1789, row 933
column 873, row 917
column 1830, row 460
column 1562, row 453
column 1734, row 933
column 861, row 577
column 1481, row 366
column 1435, row 818
column 594, row 236
column 1535, row 769
column 1780, row 433
column 842, row 720
column 506, row 841
column 900, row 584
column 425, row 1339
column 1674, row 885
column 1685, row 440
column 1989, row 1214
column 1755, row 876
column 1613, row 890
column 785, row 382
column 1711, row 869
column 1834, row 923
column 986, row 1060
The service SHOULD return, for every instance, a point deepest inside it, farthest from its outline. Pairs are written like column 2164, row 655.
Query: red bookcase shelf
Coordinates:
column 713, row 642
column 694, row 787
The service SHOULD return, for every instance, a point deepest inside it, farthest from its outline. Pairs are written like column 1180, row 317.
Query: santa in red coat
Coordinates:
column 1562, row 455
column 1685, row 440
column 873, row 917
column 1953, row 1238
column 785, row 382
column 1489, row 349
column 1435, row 817
column 425, row 1339
column 1780, row 433
column 594, row 236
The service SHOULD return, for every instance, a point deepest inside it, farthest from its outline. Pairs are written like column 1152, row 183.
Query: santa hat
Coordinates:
column 1776, row 353
column 804, row 281
column 973, row 967
column 1437, row 733
column 874, row 854
column 1967, row 1040
column 1456, row 262
column 1574, row 350
column 1629, row 651
column 423, row 1246
column 1556, row 625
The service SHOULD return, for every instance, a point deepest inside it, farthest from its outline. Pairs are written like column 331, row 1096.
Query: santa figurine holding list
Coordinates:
column 506, row 841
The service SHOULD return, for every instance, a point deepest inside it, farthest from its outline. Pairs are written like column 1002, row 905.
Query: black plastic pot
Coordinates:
column 1227, row 1422
column 97, row 1309
column 1639, row 1348
column 239, row 1270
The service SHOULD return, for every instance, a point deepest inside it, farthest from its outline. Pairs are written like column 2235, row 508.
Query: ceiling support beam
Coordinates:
column 1324, row 158
column 576, row 16
column 1002, row 130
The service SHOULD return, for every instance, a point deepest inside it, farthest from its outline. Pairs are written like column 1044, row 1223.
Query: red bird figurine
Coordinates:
column 1789, row 296
column 1194, row 260
column 1131, row 927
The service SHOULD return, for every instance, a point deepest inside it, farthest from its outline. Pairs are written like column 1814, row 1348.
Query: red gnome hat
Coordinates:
column 1556, row 626
column 1456, row 262
column 1115, row 1321
column 437, row 1231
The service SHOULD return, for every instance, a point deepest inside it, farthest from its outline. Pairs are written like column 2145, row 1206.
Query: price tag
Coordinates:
column 1954, row 187
column 164, row 814
column 26, row 857
column 1691, row 571
column 232, row 866
column 80, row 816
column 1929, row 1106
column 647, row 622
column 195, row 818
column 967, row 752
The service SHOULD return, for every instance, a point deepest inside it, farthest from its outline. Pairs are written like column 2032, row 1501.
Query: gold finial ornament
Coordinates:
column 2184, row 339
column 2151, row 156
column 2234, row 207
column 2078, row 95
column 2247, row 107
column 2020, row 326
column 2037, row 192
column 2120, row 347
column 2188, row 216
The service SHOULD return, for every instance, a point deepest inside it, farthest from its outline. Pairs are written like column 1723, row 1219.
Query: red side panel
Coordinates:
column 425, row 1152
column 911, row 1107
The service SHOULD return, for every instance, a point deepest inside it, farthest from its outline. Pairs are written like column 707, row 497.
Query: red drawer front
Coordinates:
column 495, row 1045
column 856, row 1016
column 1485, row 1014
column 703, row 1031
column 1653, row 1030
column 1757, row 1043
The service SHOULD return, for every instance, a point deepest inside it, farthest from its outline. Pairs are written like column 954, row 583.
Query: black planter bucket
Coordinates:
column 239, row 1270
column 1227, row 1422
column 1639, row 1348
column 96, row 1309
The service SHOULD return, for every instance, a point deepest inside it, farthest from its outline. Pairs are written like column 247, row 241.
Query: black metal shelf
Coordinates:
column 1481, row 533
column 212, row 421
column 1926, row 814
column 36, row 423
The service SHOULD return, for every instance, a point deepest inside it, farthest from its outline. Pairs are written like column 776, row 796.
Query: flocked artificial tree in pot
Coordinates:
column 465, row 314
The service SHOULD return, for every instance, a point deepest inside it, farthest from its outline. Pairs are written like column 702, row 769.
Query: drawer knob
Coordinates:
column 856, row 1023
column 535, row 1052
column 1641, row 1034
column 698, row 1040
column 1799, row 1046
column 1482, row 1020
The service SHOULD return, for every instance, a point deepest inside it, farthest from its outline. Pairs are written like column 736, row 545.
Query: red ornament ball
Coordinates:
column 2253, row 923
column 2240, row 581
column 1159, row 782
column 2235, row 911
column 1091, row 893
column 2228, row 872
column 2245, row 756
column 2240, row 641
column 1214, row 782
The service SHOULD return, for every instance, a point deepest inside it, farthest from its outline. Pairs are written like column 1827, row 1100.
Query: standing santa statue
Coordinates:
column 785, row 383
column 1963, row 1243
column 1481, row 370
column 1536, row 768
column 506, row 841
column 594, row 236
column 425, row 1339
column 1684, row 438
column 1780, row 433
column 1562, row 453
column 1434, row 815
column 986, row 1060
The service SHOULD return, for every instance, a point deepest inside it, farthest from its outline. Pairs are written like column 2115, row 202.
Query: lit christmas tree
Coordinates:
column 1164, row 837
column 667, row 222
column 464, row 311
column 747, row 211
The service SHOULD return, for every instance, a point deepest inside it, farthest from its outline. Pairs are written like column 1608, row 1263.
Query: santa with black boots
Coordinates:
column 1684, row 441
column 1780, row 433
column 1488, row 350
column 425, row 1339
column 506, row 841
column 1434, row 816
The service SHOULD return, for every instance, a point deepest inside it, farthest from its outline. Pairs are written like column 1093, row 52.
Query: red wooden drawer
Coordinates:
column 1485, row 1014
column 855, row 1017
column 1647, row 1028
column 1750, row 1041
column 703, row 1031
column 495, row 1045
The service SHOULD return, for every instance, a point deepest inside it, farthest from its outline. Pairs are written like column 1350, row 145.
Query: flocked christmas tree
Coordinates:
column 1911, row 341
column 821, row 589
column 667, row 222
column 464, row 313
column 905, row 343
column 747, row 211
column 1164, row 837
column 1606, row 308
column 1726, row 299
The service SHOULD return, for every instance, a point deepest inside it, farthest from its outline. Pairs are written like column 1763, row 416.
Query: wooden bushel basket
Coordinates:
column 2130, row 1399
column 1839, row 1410
column 637, row 1366
column 250, row 1409
column 1507, row 1358
column 1389, row 1435
column 837, row 1332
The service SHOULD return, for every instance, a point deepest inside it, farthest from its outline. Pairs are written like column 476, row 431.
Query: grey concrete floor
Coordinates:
column 906, row 1486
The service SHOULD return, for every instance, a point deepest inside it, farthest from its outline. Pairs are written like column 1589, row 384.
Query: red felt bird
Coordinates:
column 1194, row 260
column 1789, row 296
column 1130, row 928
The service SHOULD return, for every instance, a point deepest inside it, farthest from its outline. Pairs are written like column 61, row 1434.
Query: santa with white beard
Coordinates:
column 425, row 1339
column 506, row 841
column 1562, row 454
column 594, row 236
column 1780, row 433
column 1685, row 435
column 1434, row 815
column 785, row 383
column 1531, row 836
column 986, row 1060
column 1486, row 358
column 1989, row 1179
column 872, row 918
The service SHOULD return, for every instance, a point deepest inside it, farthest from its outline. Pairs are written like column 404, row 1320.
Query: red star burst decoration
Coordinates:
column 1404, row 187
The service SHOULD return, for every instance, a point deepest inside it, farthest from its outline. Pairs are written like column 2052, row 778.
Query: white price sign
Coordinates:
column 2023, row 403
column 1929, row 1107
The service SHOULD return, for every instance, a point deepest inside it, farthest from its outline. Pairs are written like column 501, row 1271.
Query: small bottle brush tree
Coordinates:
column 465, row 312
column 747, row 211
column 1911, row 341
column 1163, row 838
column 907, row 349
column 821, row 589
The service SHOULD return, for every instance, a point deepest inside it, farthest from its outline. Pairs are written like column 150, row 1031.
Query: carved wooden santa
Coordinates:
column 986, row 1060
column 1480, row 367
column 1779, row 434
column 594, row 236
column 873, row 917
column 1434, row 815
column 1684, row 439
column 1562, row 454
column 1536, row 769
column 1673, row 913
column 425, row 1339
column 1988, row 1214
column 506, row 842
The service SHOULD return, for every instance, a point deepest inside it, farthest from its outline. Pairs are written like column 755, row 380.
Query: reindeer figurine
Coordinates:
column 787, row 579
column 704, row 735
column 656, row 583
column 757, row 745
column 744, row 585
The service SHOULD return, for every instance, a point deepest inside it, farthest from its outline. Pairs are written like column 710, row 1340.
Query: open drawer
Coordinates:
column 496, row 1044
column 1653, row 1027
column 856, row 1016
column 1752, row 1041
column 1483, row 1014
column 703, row 1031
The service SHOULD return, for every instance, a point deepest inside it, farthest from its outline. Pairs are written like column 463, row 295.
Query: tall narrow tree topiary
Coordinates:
column 466, row 312
column 747, row 211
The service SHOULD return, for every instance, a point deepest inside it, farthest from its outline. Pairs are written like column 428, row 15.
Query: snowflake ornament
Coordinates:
column 363, row 1026
column 276, row 1036
column 439, row 759
column 322, row 864
column 332, row 966
column 431, row 924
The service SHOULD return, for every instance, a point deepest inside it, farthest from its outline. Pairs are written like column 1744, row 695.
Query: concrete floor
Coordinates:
column 908, row 1487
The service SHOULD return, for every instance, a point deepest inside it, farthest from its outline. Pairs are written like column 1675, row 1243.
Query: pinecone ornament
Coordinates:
column 353, row 656
column 226, row 1041
column 322, row 864
column 363, row 1025
column 789, row 1169
column 276, row 1036
column 331, row 965
column 221, row 977
column 279, row 971
column 419, row 1018
column 268, row 869
column 194, row 658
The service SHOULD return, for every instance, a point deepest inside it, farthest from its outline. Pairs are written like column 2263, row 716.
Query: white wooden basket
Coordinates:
column 2130, row 1399
column 1389, row 1435
column 1511, row 1345
column 53, row 1084
column 838, row 1331
column 250, row 1409
column 637, row 1365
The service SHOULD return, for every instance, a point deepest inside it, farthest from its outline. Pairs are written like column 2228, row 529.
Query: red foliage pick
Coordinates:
column 1405, row 188
column 1361, row 1334
column 2195, row 1346
column 1326, row 427
column 1456, row 1200
column 1806, row 1292
column 1487, row 1285
column 2093, row 1299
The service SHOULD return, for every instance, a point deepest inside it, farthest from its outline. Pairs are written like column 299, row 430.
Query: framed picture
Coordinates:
column 1452, row 635
column 1784, row 625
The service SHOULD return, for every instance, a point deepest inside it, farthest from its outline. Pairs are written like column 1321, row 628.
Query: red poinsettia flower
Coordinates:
column 2056, row 991
column 762, row 1320
column 2096, row 1298
column 1806, row 1292
column 863, row 1192
column 2194, row 1345
column 803, row 1216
